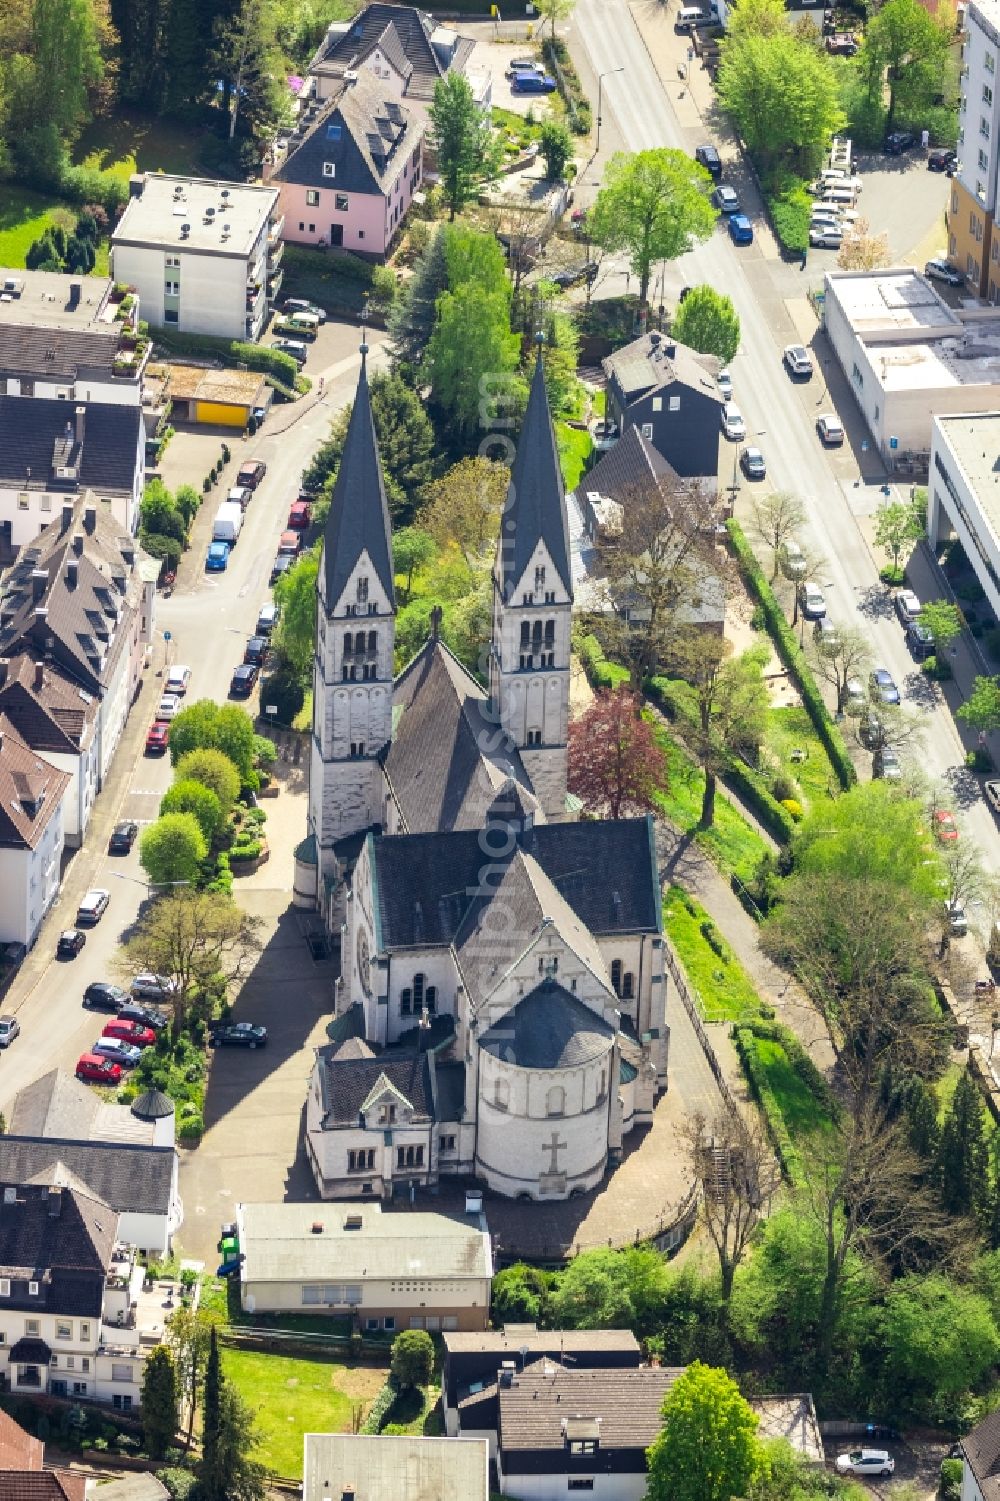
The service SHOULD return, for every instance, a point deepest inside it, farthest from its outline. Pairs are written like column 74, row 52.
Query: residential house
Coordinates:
column 671, row 395
column 73, row 1313
column 203, row 256
column 18, row 1449
column 973, row 239
column 138, row 1182
column 350, row 178
column 58, row 720
column 57, row 1105
column 474, row 1363
column 77, row 598
column 23, row 1476
column 981, row 1460
column 31, row 836
column 52, row 451
column 69, row 338
column 393, row 1467
column 406, row 1270
column 404, row 48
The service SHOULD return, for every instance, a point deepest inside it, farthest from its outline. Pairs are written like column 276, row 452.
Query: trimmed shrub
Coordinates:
column 191, row 1127
column 790, row 208
column 381, row 1407
column 254, row 356
column 600, row 672
column 166, row 549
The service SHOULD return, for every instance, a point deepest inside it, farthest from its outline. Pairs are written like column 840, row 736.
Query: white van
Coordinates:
column 688, row 17
column 843, row 194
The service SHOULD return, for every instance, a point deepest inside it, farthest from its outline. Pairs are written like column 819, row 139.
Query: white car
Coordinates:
column 724, row 381
column 940, row 270
column 168, row 706
column 178, row 679
column 812, row 600
column 798, row 359
column 866, row 1462
column 830, row 429
column 958, row 922
column 854, row 696
column 150, row 987
column 907, row 606
column 10, row 1027
column 604, row 435
column 732, row 422
column 826, row 237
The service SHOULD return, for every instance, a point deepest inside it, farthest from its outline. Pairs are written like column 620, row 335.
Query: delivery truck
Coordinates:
column 228, row 522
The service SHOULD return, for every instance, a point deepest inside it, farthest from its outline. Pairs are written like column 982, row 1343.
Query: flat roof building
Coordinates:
column 394, row 1467
column 71, row 337
column 963, row 492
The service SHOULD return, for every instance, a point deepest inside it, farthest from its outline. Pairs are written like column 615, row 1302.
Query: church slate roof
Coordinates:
column 549, row 1028
column 346, row 1083
column 448, row 757
column 359, row 512
column 536, row 501
column 606, row 871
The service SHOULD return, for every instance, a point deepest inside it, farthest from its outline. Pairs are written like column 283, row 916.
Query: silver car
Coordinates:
column 10, row 1028
column 119, row 1052
column 866, row 1462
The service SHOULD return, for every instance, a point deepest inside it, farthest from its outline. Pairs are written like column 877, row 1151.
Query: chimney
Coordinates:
column 55, row 1203
column 72, row 572
column 39, row 675
column 136, row 183
column 67, row 520
column 39, row 582
column 75, row 293
column 81, row 421
column 90, row 519
column 78, row 544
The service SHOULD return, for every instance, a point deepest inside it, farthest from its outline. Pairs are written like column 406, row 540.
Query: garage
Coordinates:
column 215, row 398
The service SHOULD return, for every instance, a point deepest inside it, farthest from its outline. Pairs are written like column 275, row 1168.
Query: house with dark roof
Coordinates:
column 501, row 1009
column 348, row 176
column 670, row 393
column 401, row 46
column 981, row 1460
column 69, row 338
column 75, row 1317
column 32, row 836
column 52, row 451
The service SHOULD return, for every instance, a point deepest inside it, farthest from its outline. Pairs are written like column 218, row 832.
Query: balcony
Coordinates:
column 255, row 292
column 274, row 284
column 274, row 230
column 274, row 257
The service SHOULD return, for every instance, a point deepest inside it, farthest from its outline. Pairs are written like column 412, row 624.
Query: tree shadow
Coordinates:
column 964, row 785
column 875, row 603
column 921, row 690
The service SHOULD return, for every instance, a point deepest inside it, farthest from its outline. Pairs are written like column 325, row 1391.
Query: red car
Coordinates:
column 159, row 734
column 95, row 1070
column 289, row 544
column 300, row 515
column 133, row 1032
column 945, row 826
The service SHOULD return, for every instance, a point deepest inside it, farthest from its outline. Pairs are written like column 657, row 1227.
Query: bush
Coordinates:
column 790, row 208
column 381, row 1406
column 600, row 672
column 937, row 668
column 191, row 1127
column 950, row 1487
column 791, row 654
column 254, row 356
column 285, row 691
column 180, row 1483
column 413, row 1357
column 793, row 806
column 166, row 549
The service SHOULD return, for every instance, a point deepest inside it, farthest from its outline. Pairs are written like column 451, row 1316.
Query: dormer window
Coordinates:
column 333, row 132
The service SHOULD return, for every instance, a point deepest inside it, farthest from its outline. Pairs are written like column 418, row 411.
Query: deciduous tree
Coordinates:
column 412, row 1359
column 294, row 635
column 862, row 249
column 905, row 52
column 471, row 360
column 412, row 548
column 192, row 796
column 655, row 205
column 783, row 94
column 735, row 1163
column 214, row 770
column 839, row 661
column 963, row 1157
column 556, row 145
column 206, row 725
column 981, row 710
column 189, row 1335
column 729, row 700
column 943, row 620
column 707, row 321
column 898, row 524
column 941, row 1340
column 776, row 520
column 707, row 1449
column 615, row 763
column 171, row 849
column 195, row 938
column 553, row 11
column 465, row 505
column 467, row 150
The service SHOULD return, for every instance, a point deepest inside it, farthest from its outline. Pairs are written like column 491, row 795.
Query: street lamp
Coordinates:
column 600, row 96
column 118, row 875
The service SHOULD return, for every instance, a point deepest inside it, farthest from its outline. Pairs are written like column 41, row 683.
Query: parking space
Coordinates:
column 492, row 56
column 902, row 199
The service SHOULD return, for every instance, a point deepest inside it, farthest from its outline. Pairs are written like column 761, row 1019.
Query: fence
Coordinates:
column 693, row 1006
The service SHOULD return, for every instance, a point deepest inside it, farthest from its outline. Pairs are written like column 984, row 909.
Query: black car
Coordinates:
column 709, row 158
column 942, row 161
column 898, row 142
column 103, row 996
column 919, row 640
column 244, row 678
column 133, row 1011
column 70, row 943
column 281, row 565
column 123, row 838
column 239, row 1035
column 573, row 274
column 256, row 651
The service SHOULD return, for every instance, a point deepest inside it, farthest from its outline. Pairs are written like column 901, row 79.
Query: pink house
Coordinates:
column 349, row 178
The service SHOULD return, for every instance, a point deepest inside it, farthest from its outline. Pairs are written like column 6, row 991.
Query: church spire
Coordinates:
column 358, row 520
column 536, row 500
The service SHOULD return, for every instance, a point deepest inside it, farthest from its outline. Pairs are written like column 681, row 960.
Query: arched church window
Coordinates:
column 362, row 591
column 501, row 1094
column 373, row 641
column 525, row 633
column 536, row 633
column 348, row 643
column 550, row 633
column 359, row 643
column 628, row 986
column 616, row 976
column 431, row 1000
column 418, row 992
column 555, row 1100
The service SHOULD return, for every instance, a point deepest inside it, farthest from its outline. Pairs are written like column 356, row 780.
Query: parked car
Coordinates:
column 841, row 44
column 571, row 276
column 281, row 565
column 854, row 696
column 942, row 160
column 256, row 650
column 217, row 557
column 919, row 640
column 992, row 791
column 752, row 463
column 293, row 347
column 826, row 237
column 299, row 515
column 798, row 360
column 101, row 995
column 142, row 1016
column 958, row 921
column 882, row 686
column 522, row 65
column 123, row 838
column 940, row 270
column 812, row 601
column 267, row 619
column 826, row 635
column 300, row 305
column 125, row 1030
column 532, row 83
column 94, row 905
column 604, row 434
column 871, row 728
column 244, row 680
column 240, row 495
column 290, row 542
column 124, row 1053
column 240, row 1035
column 178, row 680
column 733, row 424
column 907, row 606
column 709, row 158
column 70, row 943
column 724, row 381
column 740, row 229
column 727, row 200
column 944, row 825
column 157, row 736
column 831, row 430
column 91, row 1068
column 10, row 1028
column 891, row 769
column 169, row 705
column 149, row 987
column 253, row 471
column 898, row 142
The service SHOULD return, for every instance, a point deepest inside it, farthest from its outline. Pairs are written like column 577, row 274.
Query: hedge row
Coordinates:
column 800, row 1061
column 600, row 672
column 556, row 54
column 791, row 1163
column 254, row 356
column 792, row 655
column 747, row 783
column 381, row 1407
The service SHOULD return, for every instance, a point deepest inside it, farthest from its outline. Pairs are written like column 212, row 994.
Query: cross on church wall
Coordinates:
column 554, row 1146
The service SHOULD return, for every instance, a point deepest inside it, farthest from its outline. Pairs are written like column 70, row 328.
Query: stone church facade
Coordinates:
column 501, row 1010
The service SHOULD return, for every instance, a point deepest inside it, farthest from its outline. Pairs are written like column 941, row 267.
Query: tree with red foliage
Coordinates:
column 615, row 764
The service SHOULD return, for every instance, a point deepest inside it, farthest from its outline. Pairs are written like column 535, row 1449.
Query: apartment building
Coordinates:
column 69, row 338
column 973, row 244
column 204, row 257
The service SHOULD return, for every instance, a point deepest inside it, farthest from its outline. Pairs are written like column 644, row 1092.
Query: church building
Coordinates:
column 501, row 1011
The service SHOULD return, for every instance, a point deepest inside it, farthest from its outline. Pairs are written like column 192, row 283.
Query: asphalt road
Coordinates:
column 209, row 618
column 780, row 414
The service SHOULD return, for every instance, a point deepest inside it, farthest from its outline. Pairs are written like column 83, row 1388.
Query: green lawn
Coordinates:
column 802, row 1112
column 575, row 445
column 720, row 979
column 791, row 730
column 24, row 216
column 293, row 1396
column 731, row 842
column 127, row 143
